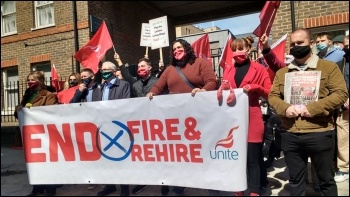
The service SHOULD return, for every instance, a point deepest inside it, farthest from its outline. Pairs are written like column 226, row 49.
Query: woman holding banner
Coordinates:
column 186, row 73
column 255, row 81
column 38, row 95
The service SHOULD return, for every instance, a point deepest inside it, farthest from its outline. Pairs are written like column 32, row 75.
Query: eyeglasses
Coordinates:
column 72, row 79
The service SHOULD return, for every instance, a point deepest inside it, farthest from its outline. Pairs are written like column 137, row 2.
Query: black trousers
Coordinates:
column 255, row 164
column 320, row 147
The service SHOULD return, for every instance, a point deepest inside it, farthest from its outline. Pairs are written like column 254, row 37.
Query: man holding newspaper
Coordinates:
column 304, row 95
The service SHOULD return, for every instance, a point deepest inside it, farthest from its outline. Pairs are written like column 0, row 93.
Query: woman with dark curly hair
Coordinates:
column 198, row 72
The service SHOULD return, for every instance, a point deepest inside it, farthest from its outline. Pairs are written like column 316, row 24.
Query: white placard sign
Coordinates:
column 159, row 32
column 146, row 40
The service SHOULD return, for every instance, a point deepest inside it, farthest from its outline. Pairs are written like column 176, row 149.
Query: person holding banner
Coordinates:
column 88, row 91
column 113, row 88
column 38, row 95
column 255, row 81
column 140, row 88
column 186, row 73
column 308, row 130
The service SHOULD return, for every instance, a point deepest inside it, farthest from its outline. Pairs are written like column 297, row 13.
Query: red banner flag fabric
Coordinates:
column 279, row 48
column 201, row 48
column 54, row 79
column 65, row 96
column 267, row 16
column 226, row 55
column 92, row 53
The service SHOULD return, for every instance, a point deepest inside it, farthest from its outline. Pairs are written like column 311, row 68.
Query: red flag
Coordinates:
column 279, row 48
column 65, row 96
column 226, row 55
column 92, row 53
column 201, row 48
column 267, row 16
column 54, row 79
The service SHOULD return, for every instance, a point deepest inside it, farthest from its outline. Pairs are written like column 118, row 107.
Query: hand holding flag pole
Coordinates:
column 267, row 16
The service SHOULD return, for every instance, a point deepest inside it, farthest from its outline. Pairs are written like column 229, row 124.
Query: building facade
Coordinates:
column 37, row 34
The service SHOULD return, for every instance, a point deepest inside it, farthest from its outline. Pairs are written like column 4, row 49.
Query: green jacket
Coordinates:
column 332, row 93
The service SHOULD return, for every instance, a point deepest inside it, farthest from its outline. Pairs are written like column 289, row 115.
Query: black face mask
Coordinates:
column 73, row 83
column 86, row 81
column 299, row 52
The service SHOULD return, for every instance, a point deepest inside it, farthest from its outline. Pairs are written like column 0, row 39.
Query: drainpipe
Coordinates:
column 76, row 39
column 292, row 14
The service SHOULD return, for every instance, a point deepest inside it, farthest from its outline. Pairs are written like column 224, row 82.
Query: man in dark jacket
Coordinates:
column 88, row 90
column 113, row 88
column 142, row 86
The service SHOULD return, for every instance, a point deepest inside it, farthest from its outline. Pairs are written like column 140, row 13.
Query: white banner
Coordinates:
column 145, row 40
column 174, row 139
column 159, row 32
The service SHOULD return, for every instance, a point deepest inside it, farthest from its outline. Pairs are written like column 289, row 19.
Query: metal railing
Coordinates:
column 11, row 95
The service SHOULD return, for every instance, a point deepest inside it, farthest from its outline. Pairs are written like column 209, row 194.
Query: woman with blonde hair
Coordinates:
column 74, row 79
column 37, row 95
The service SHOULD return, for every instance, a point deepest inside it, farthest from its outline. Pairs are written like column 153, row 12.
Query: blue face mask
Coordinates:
column 322, row 47
column 337, row 47
column 106, row 75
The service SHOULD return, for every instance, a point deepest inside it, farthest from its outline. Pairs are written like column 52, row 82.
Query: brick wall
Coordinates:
column 309, row 14
column 56, row 44
column 53, row 44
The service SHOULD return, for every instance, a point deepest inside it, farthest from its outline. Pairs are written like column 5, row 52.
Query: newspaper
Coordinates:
column 302, row 87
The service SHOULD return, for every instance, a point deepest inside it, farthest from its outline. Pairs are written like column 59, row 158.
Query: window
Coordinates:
column 11, row 85
column 46, row 68
column 8, row 18
column 44, row 14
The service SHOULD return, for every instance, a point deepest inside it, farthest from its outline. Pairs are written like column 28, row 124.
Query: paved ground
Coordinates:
column 14, row 181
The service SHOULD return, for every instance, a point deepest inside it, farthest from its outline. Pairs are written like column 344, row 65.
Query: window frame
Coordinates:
column 339, row 29
column 36, row 14
column 9, row 109
column 47, row 71
column 8, row 15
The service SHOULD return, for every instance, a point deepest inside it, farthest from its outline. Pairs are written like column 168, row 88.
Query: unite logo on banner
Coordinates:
column 225, row 143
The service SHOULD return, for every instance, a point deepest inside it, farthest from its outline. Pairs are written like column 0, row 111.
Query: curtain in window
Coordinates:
column 8, row 12
column 45, row 15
